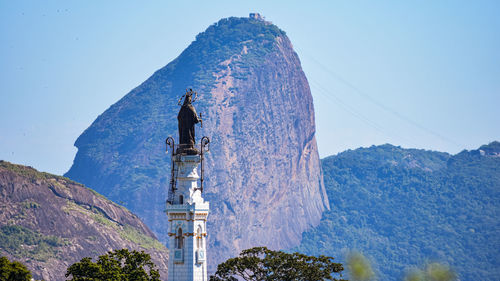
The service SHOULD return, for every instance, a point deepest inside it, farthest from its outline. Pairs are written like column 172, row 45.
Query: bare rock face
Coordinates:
column 263, row 177
column 50, row 222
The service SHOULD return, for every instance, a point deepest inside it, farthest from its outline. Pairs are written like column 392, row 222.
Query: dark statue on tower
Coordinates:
column 187, row 118
column 186, row 209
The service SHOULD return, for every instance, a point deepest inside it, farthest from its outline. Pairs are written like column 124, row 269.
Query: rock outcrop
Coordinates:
column 263, row 175
column 49, row 222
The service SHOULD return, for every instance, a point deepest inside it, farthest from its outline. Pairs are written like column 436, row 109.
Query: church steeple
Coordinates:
column 186, row 209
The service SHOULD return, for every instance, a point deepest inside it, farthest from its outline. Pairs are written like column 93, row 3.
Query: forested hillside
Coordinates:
column 404, row 207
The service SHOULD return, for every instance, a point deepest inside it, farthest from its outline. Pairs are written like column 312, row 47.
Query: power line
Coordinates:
column 379, row 104
column 330, row 97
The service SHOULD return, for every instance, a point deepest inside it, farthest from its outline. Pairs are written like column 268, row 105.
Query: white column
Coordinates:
column 187, row 261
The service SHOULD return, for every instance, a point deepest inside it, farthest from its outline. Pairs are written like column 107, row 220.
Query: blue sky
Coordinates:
column 422, row 74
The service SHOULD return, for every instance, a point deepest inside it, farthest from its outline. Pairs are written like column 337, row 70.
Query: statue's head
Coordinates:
column 188, row 97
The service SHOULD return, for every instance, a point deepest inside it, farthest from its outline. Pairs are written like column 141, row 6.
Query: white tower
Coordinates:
column 187, row 216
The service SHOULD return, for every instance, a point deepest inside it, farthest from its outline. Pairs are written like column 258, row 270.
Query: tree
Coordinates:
column 262, row 264
column 118, row 265
column 13, row 271
column 433, row 272
column 359, row 267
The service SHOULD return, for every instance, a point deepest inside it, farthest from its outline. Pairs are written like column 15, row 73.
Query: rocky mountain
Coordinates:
column 263, row 175
column 405, row 207
column 49, row 222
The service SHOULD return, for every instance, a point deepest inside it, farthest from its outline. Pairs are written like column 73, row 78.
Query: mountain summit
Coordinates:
column 262, row 176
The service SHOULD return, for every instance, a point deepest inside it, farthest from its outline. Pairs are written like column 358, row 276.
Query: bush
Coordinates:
column 13, row 271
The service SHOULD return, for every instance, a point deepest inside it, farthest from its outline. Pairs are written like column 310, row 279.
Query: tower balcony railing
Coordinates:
column 187, row 149
column 184, row 149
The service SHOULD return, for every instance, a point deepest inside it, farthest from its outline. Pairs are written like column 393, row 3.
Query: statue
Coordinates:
column 187, row 119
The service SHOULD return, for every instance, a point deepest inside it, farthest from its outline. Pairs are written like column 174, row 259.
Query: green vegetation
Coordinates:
column 31, row 205
column 13, row 271
column 260, row 263
column 101, row 218
column 359, row 267
column 406, row 207
column 118, row 265
column 433, row 272
column 33, row 174
column 132, row 234
column 126, row 232
column 20, row 241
